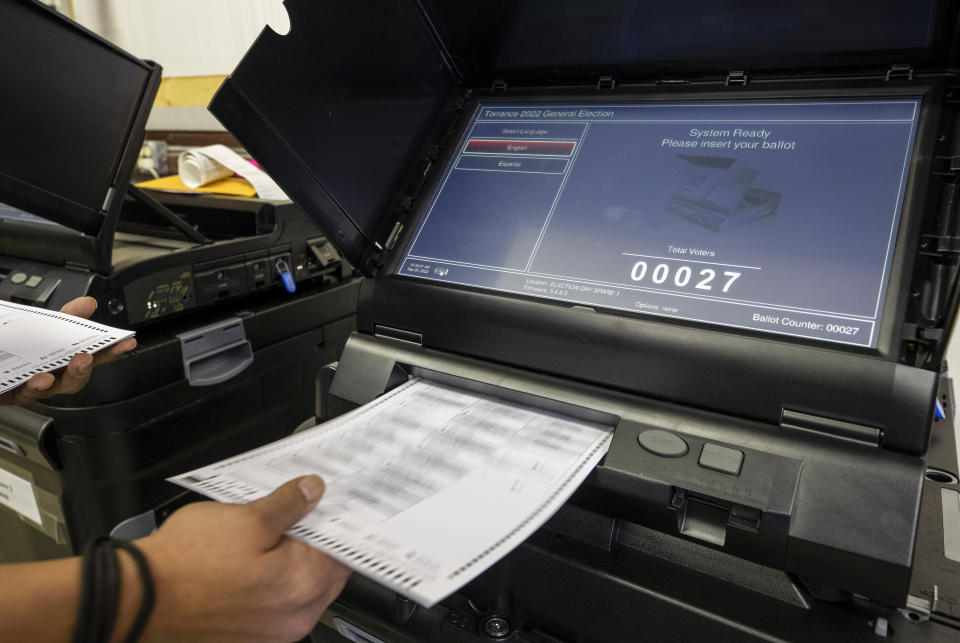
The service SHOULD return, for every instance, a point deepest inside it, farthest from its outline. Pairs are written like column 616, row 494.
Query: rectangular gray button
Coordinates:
column 33, row 281
column 721, row 459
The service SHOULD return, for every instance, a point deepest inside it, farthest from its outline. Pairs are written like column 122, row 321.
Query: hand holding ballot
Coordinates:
column 412, row 477
column 72, row 377
column 220, row 573
column 228, row 572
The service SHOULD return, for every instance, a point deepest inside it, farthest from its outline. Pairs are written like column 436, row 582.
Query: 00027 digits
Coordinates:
column 683, row 276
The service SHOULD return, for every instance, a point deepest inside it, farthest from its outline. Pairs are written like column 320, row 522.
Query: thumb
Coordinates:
column 283, row 508
column 80, row 307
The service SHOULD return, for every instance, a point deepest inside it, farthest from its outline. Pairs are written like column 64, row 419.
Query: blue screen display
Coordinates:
column 776, row 216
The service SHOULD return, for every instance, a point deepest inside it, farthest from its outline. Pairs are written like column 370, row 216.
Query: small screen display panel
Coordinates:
column 776, row 216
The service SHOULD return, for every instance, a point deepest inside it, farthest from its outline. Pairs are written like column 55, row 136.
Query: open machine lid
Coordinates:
column 553, row 42
column 355, row 109
column 72, row 118
column 340, row 109
column 344, row 110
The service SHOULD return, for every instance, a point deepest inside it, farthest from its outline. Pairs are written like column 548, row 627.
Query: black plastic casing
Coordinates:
column 102, row 455
column 747, row 374
column 841, row 512
column 698, row 364
column 84, row 102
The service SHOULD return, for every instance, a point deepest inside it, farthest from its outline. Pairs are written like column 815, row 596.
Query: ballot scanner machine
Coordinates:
column 732, row 227
column 228, row 344
column 70, row 222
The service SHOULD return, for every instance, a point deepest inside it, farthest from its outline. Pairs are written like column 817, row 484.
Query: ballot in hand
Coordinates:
column 76, row 373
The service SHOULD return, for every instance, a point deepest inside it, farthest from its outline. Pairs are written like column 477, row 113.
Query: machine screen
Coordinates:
column 777, row 216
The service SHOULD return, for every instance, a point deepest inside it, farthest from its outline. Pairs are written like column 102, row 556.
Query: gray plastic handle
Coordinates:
column 215, row 353
column 136, row 526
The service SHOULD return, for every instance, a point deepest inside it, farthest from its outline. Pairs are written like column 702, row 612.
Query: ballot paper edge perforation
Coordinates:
column 76, row 321
column 111, row 337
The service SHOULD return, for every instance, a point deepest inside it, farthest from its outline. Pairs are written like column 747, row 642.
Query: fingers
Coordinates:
column 283, row 508
column 315, row 580
column 70, row 380
column 75, row 376
column 80, row 307
column 77, row 372
column 311, row 614
column 36, row 387
column 331, row 587
column 85, row 307
column 115, row 351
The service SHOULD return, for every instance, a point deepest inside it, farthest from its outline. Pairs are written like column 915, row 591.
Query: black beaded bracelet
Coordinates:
column 106, row 603
column 146, row 582
column 83, row 630
column 100, row 592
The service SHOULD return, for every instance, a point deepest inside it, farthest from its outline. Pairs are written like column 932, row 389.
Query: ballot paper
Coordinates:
column 203, row 165
column 34, row 340
column 427, row 486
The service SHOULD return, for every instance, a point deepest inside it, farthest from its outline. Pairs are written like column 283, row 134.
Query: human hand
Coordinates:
column 228, row 573
column 75, row 375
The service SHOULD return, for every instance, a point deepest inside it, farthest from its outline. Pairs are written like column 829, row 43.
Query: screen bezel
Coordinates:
column 474, row 35
column 94, row 224
column 915, row 197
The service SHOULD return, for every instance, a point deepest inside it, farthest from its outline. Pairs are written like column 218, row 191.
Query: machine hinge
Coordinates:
column 394, row 235
column 918, row 608
column 737, row 78
column 108, row 199
column 910, row 332
column 498, row 86
column 946, row 166
column 839, row 429
column 902, row 71
column 917, row 333
column 398, row 334
column 933, row 244
column 948, row 159
column 606, row 82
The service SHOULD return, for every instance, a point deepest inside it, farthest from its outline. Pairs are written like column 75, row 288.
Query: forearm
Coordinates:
column 39, row 601
column 220, row 573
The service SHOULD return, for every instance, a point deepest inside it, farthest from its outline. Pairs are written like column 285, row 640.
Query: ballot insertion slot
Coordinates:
column 513, row 395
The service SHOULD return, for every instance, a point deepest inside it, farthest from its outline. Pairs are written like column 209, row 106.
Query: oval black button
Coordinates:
column 662, row 443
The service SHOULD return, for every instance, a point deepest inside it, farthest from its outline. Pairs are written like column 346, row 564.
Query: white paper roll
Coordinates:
column 196, row 169
column 206, row 164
